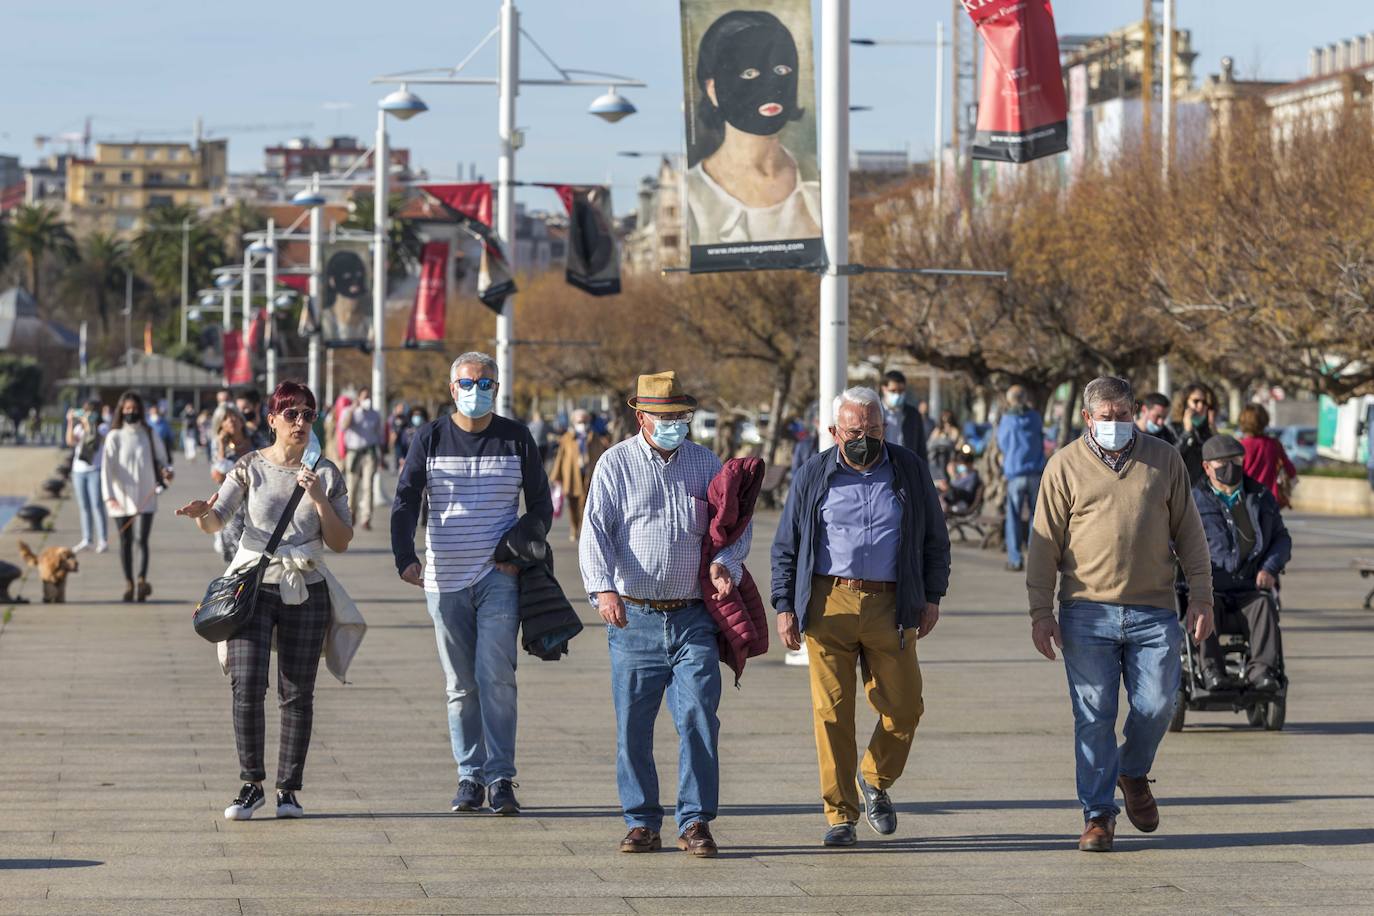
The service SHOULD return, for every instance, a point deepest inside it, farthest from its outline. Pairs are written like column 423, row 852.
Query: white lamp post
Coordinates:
column 225, row 282
column 610, row 107
column 404, row 105
column 834, row 150
column 312, row 199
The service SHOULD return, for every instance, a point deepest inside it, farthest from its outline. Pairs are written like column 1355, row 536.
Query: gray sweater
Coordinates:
column 269, row 487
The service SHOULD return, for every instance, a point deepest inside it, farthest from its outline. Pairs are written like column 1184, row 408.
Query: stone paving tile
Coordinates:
column 134, row 778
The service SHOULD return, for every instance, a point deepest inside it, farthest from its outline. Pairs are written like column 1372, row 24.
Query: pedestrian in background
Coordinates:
column 415, row 421
column 579, row 450
column 1115, row 510
column 944, row 444
column 1021, row 438
column 363, row 439
column 1266, row 461
column 133, row 468
column 860, row 564
column 86, row 437
column 299, row 603
column 641, row 556
column 249, row 403
column 1153, row 418
column 903, row 421
column 472, row 468
column 1195, row 421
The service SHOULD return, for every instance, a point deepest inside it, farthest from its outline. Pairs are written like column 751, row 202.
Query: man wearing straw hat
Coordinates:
column 640, row 553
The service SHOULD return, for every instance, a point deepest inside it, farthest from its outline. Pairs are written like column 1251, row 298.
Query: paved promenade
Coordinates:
column 117, row 759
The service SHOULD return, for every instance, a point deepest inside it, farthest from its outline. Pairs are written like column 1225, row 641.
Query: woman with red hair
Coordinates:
column 299, row 602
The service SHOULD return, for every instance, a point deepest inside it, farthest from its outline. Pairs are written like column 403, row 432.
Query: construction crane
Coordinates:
column 197, row 132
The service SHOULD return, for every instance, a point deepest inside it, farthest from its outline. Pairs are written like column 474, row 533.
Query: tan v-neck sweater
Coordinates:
column 1107, row 536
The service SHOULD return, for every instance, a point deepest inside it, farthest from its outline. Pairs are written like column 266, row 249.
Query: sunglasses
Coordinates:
column 483, row 384
column 304, row 414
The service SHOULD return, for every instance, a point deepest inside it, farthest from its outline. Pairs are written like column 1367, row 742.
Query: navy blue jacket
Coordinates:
column 922, row 555
column 1230, row 571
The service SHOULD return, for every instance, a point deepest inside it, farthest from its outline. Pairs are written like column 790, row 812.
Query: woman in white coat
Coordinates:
column 133, row 468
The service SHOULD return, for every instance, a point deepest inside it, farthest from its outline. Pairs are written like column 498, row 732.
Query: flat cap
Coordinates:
column 1219, row 447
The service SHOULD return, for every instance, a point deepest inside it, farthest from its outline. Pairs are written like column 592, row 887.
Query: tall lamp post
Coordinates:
column 834, row 149
column 610, row 107
column 314, row 201
column 402, row 104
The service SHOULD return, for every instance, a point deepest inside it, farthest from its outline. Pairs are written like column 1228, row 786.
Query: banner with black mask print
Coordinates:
column 346, row 309
column 752, row 183
column 593, row 260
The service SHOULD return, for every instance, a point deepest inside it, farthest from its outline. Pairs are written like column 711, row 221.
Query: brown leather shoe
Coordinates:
column 1098, row 834
column 1140, row 803
column 696, row 840
column 641, row 839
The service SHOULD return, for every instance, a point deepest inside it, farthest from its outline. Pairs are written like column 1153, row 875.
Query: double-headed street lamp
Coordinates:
column 610, row 107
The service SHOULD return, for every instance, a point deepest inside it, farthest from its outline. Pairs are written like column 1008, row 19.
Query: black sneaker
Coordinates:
column 841, row 834
column 287, row 806
column 503, row 797
column 250, row 799
column 470, row 796
column 882, row 817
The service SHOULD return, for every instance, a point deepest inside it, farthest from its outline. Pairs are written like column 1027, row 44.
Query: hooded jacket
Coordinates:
column 740, row 617
column 1021, row 437
column 547, row 619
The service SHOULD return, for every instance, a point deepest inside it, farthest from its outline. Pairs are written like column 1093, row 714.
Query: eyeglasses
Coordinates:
column 673, row 417
column 302, row 414
column 483, row 384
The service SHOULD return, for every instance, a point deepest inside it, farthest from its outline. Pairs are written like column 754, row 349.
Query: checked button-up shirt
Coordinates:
column 645, row 520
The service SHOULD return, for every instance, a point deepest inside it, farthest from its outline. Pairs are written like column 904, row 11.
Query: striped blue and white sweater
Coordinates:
column 473, row 482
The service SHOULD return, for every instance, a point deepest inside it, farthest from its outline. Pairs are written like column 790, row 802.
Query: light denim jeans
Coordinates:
column 91, row 509
column 672, row 652
column 1105, row 644
column 477, row 630
column 1021, row 491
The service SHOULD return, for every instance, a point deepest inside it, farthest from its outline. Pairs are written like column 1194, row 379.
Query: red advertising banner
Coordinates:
column 427, row 316
column 472, row 199
column 255, row 330
column 470, row 205
column 593, row 260
column 238, row 359
column 1022, row 112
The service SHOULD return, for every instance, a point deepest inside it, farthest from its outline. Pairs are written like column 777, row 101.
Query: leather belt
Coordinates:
column 661, row 605
column 863, row 585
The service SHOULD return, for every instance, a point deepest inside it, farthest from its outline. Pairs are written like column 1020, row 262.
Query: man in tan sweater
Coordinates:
column 1115, row 510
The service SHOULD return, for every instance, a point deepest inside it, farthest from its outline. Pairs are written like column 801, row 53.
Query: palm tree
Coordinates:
column 232, row 222
column 157, row 250
column 36, row 231
column 403, row 242
column 104, row 259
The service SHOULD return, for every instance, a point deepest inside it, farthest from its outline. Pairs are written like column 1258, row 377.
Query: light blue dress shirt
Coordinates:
column 861, row 524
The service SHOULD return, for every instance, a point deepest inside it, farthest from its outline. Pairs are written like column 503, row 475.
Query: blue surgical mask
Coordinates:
column 668, row 434
column 475, row 402
column 894, row 399
column 1152, row 427
column 416, row 420
column 1113, row 435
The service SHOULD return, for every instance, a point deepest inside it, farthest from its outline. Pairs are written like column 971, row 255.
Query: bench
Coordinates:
column 1365, row 566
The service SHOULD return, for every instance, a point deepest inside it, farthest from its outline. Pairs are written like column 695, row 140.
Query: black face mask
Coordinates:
column 757, row 67
column 862, row 452
column 132, row 417
column 1230, row 474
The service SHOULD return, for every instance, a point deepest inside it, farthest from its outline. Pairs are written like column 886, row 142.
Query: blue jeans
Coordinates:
column 92, row 510
column 477, row 630
column 671, row 652
column 1021, row 492
column 1104, row 644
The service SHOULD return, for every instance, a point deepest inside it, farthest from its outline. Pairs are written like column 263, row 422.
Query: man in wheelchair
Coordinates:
column 1250, row 547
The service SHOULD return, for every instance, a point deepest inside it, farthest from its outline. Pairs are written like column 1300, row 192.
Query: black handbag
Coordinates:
column 230, row 600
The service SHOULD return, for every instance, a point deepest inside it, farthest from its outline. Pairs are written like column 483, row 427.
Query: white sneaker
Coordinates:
column 84, row 545
column 287, row 806
column 101, row 547
column 797, row 658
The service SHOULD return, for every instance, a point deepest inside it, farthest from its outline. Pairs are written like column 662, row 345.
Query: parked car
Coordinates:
column 704, row 427
column 1300, row 442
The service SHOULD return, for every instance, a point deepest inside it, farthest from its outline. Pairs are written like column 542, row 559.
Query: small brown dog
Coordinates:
column 54, row 566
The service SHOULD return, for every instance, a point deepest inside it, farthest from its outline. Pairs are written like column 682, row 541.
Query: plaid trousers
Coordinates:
column 300, row 630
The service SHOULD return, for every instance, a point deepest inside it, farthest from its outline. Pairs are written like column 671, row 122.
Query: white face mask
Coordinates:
column 580, row 428
column 1113, row 435
column 365, row 403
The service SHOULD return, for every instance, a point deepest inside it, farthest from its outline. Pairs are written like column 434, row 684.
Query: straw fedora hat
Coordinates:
column 661, row 393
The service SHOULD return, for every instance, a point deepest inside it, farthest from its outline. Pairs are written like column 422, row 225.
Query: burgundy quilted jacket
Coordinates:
column 740, row 617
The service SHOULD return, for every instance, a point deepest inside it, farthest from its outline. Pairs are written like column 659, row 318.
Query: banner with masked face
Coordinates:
column 752, row 184
column 346, row 309
column 238, row 359
column 593, row 260
column 1022, row 112
column 428, row 315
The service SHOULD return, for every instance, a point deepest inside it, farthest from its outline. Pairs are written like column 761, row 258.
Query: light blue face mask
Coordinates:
column 1112, row 435
column 668, row 434
column 1152, row 427
column 475, row 402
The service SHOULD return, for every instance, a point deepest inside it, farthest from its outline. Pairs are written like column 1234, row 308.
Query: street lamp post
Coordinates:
column 610, row 107
column 270, row 283
column 311, row 198
column 185, row 274
column 834, row 149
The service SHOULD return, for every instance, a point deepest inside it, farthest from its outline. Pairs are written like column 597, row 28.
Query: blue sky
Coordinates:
column 153, row 65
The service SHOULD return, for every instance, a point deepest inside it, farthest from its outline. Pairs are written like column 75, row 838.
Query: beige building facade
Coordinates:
column 114, row 190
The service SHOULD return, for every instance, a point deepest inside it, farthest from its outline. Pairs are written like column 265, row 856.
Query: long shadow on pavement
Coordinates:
column 35, row 864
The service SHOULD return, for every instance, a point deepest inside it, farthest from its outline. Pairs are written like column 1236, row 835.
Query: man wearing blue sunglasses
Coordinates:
column 472, row 467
